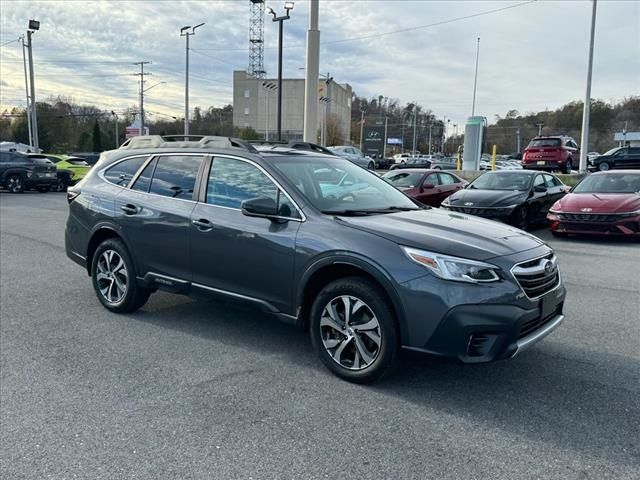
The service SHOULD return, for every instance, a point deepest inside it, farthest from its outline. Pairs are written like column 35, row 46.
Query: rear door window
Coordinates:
column 175, row 176
column 122, row 172
column 446, row 179
column 144, row 179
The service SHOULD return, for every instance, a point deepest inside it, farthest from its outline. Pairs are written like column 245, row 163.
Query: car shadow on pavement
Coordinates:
column 565, row 396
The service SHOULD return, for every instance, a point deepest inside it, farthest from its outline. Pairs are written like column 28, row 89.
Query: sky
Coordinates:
column 533, row 54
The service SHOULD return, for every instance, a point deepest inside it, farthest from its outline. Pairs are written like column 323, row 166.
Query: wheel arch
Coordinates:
column 99, row 235
column 326, row 270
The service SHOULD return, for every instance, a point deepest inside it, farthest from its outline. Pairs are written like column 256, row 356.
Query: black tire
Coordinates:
column 522, row 218
column 15, row 184
column 378, row 355
column 567, row 167
column 134, row 296
column 44, row 189
column 604, row 166
column 60, row 186
column 371, row 166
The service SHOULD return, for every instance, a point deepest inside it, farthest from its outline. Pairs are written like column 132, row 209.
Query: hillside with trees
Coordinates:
column 64, row 126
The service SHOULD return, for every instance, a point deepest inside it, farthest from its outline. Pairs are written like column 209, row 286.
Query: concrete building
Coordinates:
column 631, row 139
column 254, row 106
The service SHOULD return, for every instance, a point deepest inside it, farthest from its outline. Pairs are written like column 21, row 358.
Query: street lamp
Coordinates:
column 184, row 32
column 362, row 112
column 268, row 87
column 288, row 6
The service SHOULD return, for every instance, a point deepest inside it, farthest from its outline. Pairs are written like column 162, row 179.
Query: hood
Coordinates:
column 599, row 202
column 448, row 233
column 487, row 198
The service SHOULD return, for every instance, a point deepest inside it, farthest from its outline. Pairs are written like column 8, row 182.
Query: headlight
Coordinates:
column 454, row 268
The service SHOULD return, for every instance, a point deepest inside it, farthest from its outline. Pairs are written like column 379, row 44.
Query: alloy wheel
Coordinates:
column 112, row 276
column 350, row 332
column 15, row 184
column 603, row 167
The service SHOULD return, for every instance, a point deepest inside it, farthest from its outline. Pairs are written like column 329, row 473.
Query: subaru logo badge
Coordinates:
column 548, row 267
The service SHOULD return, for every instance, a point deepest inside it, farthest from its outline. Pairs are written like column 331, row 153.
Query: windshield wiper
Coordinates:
column 369, row 211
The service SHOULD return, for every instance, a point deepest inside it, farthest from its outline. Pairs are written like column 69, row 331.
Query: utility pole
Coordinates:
column 185, row 33
column 141, row 75
column 34, row 113
column 584, row 141
column 384, row 147
column 26, row 89
column 312, row 72
column 475, row 81
column 430, row 125
column 415, row 124
column 518, row 136
column 539, row 125
column 362, row 112
column 115, row 116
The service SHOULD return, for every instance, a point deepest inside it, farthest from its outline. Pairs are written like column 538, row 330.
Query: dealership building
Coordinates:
column 255, row 105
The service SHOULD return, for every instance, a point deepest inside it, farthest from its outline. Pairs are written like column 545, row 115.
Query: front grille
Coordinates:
column 590, row 227
column 474, row 210
column 537, row 277
column 588, row 217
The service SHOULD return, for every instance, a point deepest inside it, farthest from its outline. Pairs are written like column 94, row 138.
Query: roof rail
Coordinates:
column 178, row 141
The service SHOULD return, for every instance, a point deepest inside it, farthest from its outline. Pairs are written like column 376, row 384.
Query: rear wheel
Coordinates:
column 603, row 166
column 114, row 278
column 371, row 166
column 60, row 186
column 353, row 330
column 567, row 167
column 15, row 184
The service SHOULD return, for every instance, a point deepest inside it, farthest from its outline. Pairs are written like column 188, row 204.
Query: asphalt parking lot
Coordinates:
column 191, row 390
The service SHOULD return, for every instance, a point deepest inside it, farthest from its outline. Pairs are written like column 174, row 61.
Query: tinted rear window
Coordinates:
column 122, row 173
column 546, row 142
column 175, row 176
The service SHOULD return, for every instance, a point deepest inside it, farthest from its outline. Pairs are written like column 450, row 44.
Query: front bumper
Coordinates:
column 478, row 323
column 609, row 226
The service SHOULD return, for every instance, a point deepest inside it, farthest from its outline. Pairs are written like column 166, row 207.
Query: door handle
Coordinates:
column 129, row 209
column 203, row 224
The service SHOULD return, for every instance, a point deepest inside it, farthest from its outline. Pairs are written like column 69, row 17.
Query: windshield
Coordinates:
column 403, row 179
column 335, row 185
column 609, row 183
column 546, row 142
column 612, row 151
column 497, row 181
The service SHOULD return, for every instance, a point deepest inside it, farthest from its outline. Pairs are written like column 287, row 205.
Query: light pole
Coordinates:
column 311, row 75
column 539, row 125
column 184, row 32
column 384, row 147
column 115, row 116
column 33, row 26
column 430, row 125
column 584, row 141
column 325, row 100
column 475, row 81
column 288, row 6
column 362, row 112
column 26, row 89
column 268, row 87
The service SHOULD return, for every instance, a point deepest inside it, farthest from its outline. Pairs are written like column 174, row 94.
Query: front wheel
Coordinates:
column 114, row 278
column 371, row 166
column 353, row 330
column 522, row 218
column 15, row 184
column 603, row 166
column 60, row 186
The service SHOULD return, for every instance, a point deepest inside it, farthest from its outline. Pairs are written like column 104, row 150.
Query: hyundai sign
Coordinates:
column 373, row 142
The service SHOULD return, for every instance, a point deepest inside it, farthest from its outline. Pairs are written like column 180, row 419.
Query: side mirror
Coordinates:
column 540, row 189
column 567, row 189
column 429, row 186
column 259, row 207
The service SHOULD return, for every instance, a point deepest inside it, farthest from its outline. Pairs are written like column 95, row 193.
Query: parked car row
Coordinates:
column 42, row 172
column 604, row 203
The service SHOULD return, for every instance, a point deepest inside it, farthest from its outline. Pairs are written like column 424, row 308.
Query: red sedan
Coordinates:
column 430, row 187
column 604, row 203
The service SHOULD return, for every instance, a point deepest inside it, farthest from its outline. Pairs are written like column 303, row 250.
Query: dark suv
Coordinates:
column 20, row 172
column 317, row 241
column 552, row 153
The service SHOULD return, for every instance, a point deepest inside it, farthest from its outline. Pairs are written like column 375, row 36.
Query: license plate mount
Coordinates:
column 540, row 162
column 548, row 304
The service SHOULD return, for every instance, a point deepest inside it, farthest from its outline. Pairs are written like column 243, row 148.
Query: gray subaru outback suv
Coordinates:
column 318, row 242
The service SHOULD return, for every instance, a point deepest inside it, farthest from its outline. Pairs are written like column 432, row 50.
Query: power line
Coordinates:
column 10, row 41
column 216, row 59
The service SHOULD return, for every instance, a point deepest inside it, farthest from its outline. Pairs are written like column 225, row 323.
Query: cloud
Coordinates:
column 532, row 57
